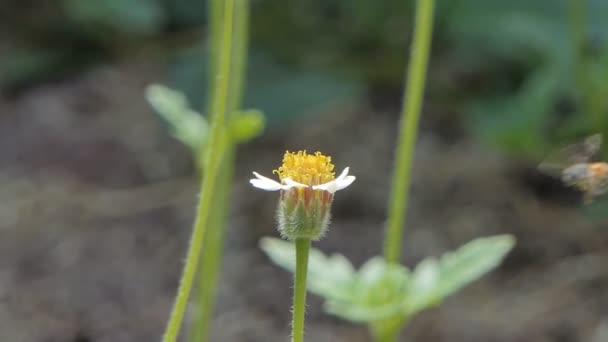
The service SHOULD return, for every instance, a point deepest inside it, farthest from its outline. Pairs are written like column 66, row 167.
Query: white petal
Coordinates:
column 339, row 183
column 343, row 183
column 290, row 183
column 265, row 183
column 343, row 174
column 329, row 186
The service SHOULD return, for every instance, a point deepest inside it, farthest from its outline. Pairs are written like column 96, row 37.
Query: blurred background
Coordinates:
column 97, row 199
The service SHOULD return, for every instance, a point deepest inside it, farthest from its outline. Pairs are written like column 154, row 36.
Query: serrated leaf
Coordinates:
column 381, row 293
column 328, row 276
column 458, row 269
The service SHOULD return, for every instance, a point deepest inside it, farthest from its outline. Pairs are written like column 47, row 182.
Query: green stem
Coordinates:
column 299, row 294
column 239, row 53
column 212, row 253
column 577, row 30
column 577, row 24
column 215, row 150
column 387, row 338
column 387, row 330
column 408, row 127
column 214, row 242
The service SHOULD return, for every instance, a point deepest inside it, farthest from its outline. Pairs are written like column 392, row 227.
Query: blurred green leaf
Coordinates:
column 246, row 125
column 379, row 292
column 185, row 124
column 328, row 276
column 435, row 280
column 386, row 294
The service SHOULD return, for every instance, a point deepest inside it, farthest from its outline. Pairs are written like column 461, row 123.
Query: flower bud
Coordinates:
column 307, row 188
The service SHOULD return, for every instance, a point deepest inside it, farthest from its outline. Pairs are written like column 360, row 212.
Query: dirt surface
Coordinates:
column 97, row 205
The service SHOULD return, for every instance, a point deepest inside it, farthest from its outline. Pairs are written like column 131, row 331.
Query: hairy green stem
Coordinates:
column 215, row 148
column 299, row 292
column 407, row 131
column 212, row 254
column 213, row 249
column 239, row 53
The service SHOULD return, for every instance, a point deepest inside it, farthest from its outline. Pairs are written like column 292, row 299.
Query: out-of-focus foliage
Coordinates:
column 544, row 66
column 185, row 124
column 364, row 39
column 245, row 125
column 527, row 75
column 191, row 128
column 384, row 294
column 282, row 92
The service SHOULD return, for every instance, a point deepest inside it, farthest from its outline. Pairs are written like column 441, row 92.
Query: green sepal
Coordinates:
column 298, row 219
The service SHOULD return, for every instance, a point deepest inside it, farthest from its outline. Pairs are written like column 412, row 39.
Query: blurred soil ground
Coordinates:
column 98, row 200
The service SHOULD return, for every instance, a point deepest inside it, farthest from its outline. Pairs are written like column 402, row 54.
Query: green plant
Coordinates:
column 384, row 294
column 307, row 187
column 212, row 145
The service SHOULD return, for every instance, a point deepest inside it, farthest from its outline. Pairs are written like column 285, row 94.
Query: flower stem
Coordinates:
column 407, row 131
column 387, row 338
column 215, row 148
column 213, row 250
column 299, row 294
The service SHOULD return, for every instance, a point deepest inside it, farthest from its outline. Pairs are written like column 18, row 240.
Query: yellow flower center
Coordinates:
column 309, row 169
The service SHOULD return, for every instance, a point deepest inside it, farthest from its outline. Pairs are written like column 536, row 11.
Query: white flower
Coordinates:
column 268, row 184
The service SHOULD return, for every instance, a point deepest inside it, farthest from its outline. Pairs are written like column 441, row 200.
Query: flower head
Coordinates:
column 307, row 185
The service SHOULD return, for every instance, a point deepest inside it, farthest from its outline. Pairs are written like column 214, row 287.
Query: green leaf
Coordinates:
column 386, row 294
column 435, row 280
column 379, row 292
column 328, row 276
column 185, row 124
column 246, row 125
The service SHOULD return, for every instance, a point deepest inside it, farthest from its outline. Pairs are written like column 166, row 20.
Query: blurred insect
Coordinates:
column 573, row 164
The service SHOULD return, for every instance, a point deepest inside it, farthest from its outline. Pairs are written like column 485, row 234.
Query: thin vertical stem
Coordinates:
column 577, row 24
column 387, row 338
column 299, row 294
column 239, row 53
column 216, row 147
column 212, row 254
column 407, row 131
column 213, row 250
